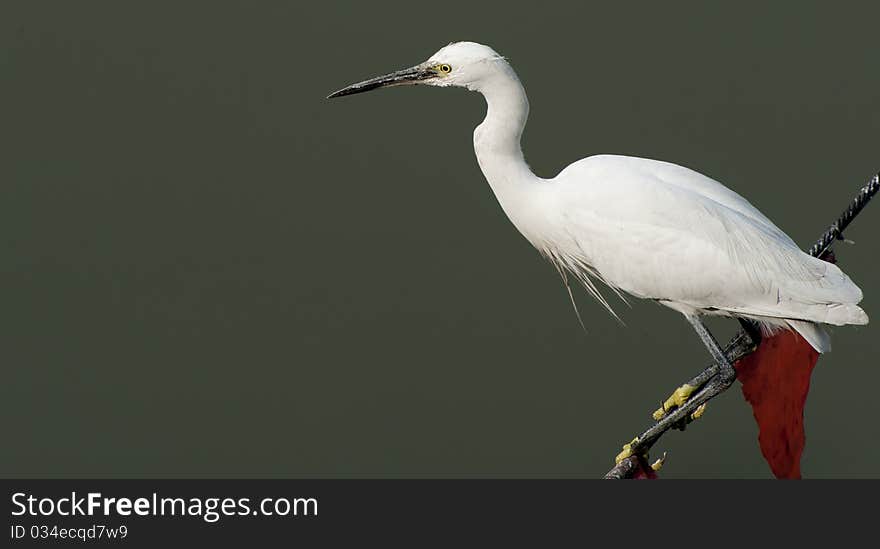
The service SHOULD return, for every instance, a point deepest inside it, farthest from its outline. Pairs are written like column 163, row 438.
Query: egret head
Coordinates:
column 463, row 64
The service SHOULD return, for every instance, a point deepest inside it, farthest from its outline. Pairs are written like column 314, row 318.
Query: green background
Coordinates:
column 210, row 270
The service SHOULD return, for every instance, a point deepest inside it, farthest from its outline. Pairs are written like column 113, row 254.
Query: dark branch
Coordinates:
column 740, row 346
column 835, row 231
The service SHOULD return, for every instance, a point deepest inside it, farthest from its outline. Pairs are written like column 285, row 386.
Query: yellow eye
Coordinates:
column 444, row 68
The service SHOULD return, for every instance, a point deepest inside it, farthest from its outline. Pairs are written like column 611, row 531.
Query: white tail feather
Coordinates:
column 814, row 333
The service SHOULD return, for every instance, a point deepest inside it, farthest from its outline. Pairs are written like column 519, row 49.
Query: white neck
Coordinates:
column 497, row 144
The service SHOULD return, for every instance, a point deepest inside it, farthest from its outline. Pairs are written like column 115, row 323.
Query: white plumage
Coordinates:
column 659, row 231
column 651, row 229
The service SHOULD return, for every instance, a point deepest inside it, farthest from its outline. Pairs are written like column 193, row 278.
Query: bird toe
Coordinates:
column 675, row 400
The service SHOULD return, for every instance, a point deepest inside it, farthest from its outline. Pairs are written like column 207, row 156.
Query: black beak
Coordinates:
column 412, row 75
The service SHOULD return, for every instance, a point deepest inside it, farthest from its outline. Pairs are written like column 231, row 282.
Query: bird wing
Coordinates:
column 661, row 231
column 686, row 179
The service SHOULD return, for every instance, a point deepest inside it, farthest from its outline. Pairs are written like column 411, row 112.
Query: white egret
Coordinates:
column 648, row 228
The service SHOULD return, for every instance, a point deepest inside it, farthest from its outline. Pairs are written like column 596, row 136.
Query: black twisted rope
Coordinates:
column 835, row 231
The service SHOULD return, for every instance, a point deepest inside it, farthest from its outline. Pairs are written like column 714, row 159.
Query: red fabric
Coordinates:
column 775, row 381
column 644, row 471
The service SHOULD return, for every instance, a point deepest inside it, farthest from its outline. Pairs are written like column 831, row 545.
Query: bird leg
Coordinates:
column 680, row 395
column 724, row 365
column 709, row 383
